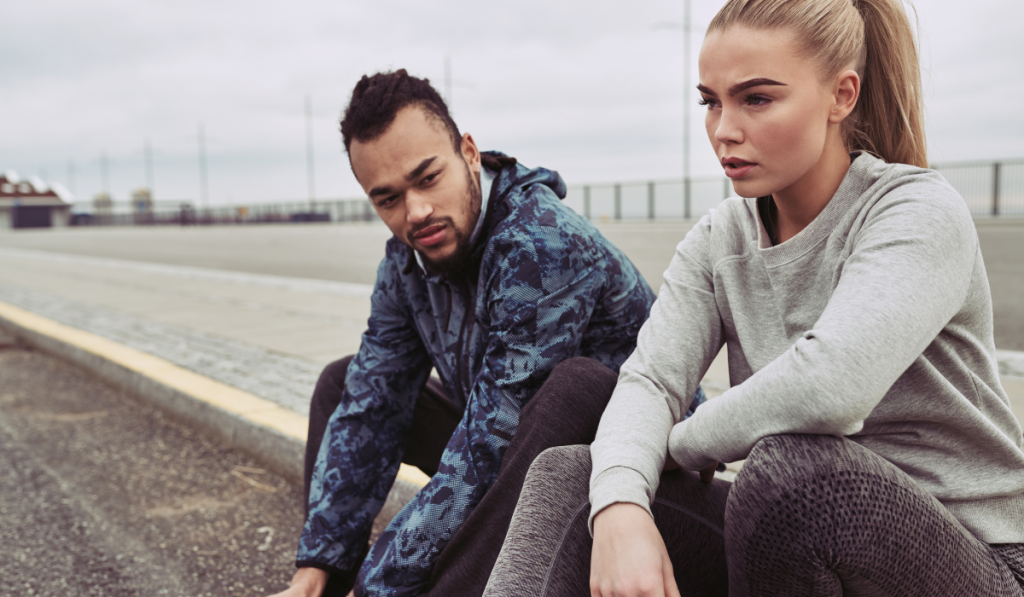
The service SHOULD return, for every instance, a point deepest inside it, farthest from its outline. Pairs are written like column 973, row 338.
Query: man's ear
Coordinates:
column 845, row 93
column 470, row 153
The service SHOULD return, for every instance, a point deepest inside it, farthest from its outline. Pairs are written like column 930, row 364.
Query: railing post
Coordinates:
column 650, row 200
column 727, row 189
column 618, row 202
column 995, row 188
column 586, row 201
column 686, row 197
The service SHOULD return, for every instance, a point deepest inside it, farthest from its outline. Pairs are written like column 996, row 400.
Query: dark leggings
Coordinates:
column 565, row 411
column 808, row 515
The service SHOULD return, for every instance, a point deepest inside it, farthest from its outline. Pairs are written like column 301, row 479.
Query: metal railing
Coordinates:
column 990, row 189
column 650, row 199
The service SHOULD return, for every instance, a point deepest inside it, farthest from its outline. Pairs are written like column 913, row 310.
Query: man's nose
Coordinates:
column 418, row 206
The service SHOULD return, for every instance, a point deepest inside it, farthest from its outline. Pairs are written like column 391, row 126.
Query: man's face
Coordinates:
column 426, row 192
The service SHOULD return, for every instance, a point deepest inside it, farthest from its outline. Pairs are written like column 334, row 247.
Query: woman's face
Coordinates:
column 768, row 111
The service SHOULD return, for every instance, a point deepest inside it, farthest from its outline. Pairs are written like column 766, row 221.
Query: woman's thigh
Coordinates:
column 547, row 549
column 820, row 515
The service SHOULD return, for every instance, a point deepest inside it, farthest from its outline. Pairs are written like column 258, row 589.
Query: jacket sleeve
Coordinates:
column 362, row 448
column 534, row 326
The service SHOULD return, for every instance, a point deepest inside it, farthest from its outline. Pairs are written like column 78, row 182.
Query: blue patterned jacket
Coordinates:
column 548, row 287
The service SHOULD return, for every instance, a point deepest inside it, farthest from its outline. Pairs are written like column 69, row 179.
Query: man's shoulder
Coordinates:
column 541, row 239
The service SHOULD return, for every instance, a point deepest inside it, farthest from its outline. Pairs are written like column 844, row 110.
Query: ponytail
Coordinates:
column 889, row 119
column 873, row 37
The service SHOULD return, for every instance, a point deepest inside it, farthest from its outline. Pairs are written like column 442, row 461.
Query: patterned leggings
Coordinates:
column 808, row 515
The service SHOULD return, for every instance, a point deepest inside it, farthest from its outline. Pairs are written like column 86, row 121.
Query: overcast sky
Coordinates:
column 592, row 89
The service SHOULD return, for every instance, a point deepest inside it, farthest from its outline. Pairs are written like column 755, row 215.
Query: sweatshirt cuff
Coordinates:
column 684, row 450
column 616, row 485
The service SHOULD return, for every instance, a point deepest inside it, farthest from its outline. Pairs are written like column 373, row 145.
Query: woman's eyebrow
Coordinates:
column 738, row 87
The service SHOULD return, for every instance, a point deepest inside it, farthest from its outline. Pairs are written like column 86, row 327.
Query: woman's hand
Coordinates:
column 629, row 557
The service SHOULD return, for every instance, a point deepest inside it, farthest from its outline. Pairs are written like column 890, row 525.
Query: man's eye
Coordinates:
column 387, row 201
column 429, row 178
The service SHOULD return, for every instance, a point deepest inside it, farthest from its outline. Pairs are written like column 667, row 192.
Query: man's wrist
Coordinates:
column 310, row 581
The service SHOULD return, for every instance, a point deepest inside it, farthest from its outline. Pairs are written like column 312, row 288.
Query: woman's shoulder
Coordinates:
column 913, row 197
column 888, row 183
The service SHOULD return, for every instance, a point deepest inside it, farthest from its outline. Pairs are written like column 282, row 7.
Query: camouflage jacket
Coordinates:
column 545, row 286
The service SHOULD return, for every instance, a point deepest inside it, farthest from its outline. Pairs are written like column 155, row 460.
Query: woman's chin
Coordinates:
column 750, row 188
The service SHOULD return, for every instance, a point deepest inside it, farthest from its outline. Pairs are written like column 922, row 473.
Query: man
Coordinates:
column 491, row 281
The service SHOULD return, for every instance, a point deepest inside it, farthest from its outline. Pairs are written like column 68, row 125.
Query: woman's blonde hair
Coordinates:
column 875, row 37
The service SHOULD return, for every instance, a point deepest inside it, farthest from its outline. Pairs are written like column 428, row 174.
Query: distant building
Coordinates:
column 142, row 201
column 32, row 203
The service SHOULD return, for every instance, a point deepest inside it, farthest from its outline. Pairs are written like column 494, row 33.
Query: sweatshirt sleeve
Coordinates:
column 908, row 273
column 659, row 384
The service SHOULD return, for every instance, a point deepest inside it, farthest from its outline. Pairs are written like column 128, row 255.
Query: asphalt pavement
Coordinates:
column 101, row 496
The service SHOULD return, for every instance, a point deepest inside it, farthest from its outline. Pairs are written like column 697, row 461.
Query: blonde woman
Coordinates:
column 847, row 284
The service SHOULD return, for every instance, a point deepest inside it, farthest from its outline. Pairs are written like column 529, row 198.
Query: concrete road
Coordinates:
column 351, row 252
column 100, row 496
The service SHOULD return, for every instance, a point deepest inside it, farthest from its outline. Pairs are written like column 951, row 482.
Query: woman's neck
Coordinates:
column 797, row 205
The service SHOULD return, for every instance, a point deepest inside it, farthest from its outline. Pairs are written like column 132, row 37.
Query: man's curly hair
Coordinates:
column 377, row 99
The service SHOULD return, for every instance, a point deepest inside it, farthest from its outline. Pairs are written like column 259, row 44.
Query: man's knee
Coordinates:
column 583, row 370
column 576, row 387
column 330, row 386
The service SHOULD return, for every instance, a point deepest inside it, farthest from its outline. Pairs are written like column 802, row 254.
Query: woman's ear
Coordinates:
column 844, row 93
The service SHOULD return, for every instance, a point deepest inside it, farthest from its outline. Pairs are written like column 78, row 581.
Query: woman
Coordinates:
column 881, row 454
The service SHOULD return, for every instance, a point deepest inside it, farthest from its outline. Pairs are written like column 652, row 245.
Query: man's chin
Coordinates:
column 448, row 263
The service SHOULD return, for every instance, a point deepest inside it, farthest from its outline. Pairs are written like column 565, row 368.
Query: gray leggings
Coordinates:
column 808, row 515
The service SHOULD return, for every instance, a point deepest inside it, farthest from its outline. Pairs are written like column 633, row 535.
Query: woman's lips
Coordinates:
column 430, row 236
column 737, row 168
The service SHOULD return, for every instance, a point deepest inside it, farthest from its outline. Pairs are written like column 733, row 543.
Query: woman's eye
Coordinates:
column 757, row 100
column 707, row 101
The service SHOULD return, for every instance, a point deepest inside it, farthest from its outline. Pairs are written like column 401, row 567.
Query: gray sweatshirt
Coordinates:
column 873, row 323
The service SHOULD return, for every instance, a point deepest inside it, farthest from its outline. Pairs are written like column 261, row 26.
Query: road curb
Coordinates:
column 273, row 435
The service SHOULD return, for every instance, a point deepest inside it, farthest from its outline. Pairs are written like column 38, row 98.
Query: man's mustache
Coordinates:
column 427, row 224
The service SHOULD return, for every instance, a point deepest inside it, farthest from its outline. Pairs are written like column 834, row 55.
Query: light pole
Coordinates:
column 148, row 155
column 202, row 166
column 686, row 109
column 104, row 172
column 686, row 101
column 309, row 153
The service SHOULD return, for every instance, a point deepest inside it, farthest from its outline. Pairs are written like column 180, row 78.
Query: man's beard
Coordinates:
column 456, row 262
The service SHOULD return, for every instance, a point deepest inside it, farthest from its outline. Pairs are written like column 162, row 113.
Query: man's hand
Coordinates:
column 629, row 557
column 307, row 582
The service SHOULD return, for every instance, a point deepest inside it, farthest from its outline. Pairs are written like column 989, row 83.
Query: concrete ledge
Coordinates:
column 273, row 435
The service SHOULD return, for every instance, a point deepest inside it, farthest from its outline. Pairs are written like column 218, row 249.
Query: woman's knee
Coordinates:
column 559, row 467
column 777, row 464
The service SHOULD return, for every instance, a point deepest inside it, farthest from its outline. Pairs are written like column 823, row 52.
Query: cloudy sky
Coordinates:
column 593, row 89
